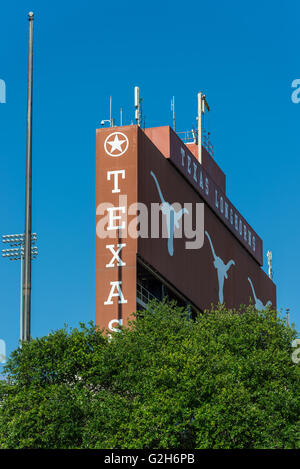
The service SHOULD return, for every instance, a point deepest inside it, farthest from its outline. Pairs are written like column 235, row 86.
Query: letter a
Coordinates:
column 115, row 291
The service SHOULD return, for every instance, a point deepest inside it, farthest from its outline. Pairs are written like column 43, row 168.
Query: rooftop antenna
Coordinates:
column 110, row 105
column 173, row 112
column 269, row 256
column 138, row 106
column 121, row 117
column 202, row 104
column 137, row 103
column 141, row 113
column 110, row 120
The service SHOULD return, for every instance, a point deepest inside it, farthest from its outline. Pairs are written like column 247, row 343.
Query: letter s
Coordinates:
column 117, row 321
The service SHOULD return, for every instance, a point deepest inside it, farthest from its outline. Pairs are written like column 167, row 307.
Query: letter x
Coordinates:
column 115, row 254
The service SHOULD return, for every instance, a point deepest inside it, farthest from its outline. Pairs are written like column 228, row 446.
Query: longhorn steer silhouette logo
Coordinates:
column 222, row 268
column 258, row 303
column 172, row 217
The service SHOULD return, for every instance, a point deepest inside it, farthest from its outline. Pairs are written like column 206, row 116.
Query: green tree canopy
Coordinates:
column 223, row 380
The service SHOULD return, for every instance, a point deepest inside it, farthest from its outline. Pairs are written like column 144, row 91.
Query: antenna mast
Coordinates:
column 173, row 112
column 110, row 103
column 141, row 113
column 111, row 119
column 138, row 106
column 269, row 256
column 202, row 104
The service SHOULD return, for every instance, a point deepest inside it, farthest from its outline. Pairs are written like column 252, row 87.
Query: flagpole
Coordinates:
column 28, row 195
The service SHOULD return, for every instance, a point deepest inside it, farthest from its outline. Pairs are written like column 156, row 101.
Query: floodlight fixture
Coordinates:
column 16, row 252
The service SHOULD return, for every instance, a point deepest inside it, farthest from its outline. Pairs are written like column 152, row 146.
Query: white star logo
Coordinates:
column 116, row 144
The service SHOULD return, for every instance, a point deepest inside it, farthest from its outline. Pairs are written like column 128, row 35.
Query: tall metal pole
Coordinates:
column 21, row 298
column 200, row 127
column 28, row 195
column 270, row 269
column 173, row 112
column 110, row 104
column 137, row 103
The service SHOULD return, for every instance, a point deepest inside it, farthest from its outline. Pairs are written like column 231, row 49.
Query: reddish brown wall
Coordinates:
column 117, row 311
column 171, row 146
column 192, row 271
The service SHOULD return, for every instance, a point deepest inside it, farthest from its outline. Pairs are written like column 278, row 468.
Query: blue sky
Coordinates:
column 243, row 55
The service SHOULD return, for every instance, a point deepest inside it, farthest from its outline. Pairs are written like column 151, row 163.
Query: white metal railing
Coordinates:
column 191, row 136
column 143, row 295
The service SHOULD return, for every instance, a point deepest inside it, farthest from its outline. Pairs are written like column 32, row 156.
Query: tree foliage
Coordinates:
column 223, row 380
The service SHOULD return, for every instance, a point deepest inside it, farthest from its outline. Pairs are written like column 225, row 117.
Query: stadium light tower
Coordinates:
column 16, row 253
column 26, row 302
